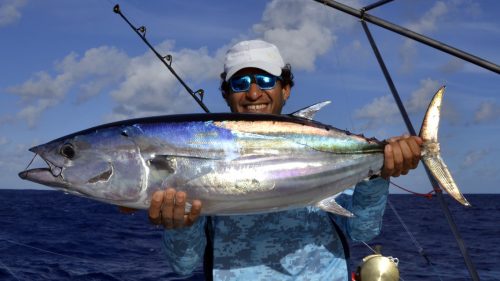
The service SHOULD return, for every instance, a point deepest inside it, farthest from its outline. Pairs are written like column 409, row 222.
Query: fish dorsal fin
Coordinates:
column 330, row 205
column 310, row 111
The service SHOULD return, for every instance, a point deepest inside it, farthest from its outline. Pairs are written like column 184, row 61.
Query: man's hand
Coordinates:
column 401, row 154
column 167, row 209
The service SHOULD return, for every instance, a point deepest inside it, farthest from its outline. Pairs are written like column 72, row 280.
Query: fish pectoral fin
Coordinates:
column 169, row 163
column 330, row 205
column 163, row 162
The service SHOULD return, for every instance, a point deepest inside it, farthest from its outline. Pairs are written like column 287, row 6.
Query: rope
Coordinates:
column 427, row 195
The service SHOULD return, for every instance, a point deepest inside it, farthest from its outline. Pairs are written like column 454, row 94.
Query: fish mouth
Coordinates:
column 43, row 176
column 51, row 175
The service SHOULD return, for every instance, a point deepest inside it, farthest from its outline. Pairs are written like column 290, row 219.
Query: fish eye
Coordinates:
column 67, row 151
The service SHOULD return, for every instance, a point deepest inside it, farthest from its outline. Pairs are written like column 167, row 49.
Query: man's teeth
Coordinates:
column 256, row 106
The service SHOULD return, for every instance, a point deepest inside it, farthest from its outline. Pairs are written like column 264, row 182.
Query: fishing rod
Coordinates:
column 166, row 60
column 440, row 46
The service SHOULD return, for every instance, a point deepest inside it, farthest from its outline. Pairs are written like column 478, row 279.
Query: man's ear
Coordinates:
column 285, row 92
column 223, row 89
column 225, row 96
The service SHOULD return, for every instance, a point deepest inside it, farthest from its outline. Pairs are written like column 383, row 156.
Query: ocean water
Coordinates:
column 49, row 235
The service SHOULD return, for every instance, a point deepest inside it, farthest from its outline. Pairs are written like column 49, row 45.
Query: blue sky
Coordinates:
column 69, row 65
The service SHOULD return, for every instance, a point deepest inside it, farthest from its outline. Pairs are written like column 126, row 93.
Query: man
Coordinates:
column 299, row 244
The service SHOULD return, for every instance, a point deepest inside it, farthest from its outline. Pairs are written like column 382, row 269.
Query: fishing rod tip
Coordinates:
column 116, row 9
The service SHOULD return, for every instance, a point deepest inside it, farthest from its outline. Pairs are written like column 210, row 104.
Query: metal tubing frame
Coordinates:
column 361, row 14
column 440, row 46
column 451, row 222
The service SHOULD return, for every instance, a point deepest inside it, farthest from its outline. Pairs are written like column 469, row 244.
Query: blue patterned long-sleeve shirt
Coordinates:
column 298, row 244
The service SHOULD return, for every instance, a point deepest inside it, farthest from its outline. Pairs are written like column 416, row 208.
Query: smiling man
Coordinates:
column 297, row 244
column 255, row 78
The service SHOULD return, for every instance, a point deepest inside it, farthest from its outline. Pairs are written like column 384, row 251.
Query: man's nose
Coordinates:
column 254, row 92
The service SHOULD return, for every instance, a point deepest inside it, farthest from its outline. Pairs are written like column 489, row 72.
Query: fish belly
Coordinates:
column 257, row 184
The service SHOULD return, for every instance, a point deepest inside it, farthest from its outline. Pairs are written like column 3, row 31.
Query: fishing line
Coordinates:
column 8, row 270
column 49, row 252
column 373, row 250
column 414, row 240
column 42, row 250
column 31, row 162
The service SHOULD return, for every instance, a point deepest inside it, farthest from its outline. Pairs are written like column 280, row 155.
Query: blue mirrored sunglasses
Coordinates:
column 242, row 83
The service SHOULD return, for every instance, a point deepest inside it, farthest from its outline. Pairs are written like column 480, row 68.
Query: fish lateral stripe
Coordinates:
column 332, row 140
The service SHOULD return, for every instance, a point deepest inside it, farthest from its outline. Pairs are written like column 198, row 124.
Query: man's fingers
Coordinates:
column 194, row 214
column 407, row 156
column 414, row 144
column 398, row 159
column 401, row 154
column 167, row 210
column 179, row 209
column 155, row 208
column 388, row 162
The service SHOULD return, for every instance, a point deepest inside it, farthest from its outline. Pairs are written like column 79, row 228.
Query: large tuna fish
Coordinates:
column 233, row 163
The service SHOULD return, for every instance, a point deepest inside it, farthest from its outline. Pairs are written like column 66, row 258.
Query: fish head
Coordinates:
column 104, row 165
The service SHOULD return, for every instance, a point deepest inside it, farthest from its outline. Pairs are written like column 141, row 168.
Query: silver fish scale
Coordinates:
column 262, row 171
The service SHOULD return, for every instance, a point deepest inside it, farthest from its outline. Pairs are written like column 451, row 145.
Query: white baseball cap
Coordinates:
column 253, row 53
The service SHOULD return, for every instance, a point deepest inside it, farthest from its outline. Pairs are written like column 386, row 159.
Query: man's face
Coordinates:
column 255, row 99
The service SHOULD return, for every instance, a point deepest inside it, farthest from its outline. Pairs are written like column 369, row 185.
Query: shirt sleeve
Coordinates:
column 185, row 247
column 367, row 203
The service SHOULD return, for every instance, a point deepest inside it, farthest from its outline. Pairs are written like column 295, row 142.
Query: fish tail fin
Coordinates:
column 430, row 149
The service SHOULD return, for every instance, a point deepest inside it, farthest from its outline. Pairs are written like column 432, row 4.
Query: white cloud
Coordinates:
column 473, row 157
column 9, row 11
column 384, row 110
column 31, row 112
column 487, row 111
column 149, row 89
column 428, row 21
column 381, row 109
column 141, row 86
column 302, row 30
column 89, row 75
column 419, row 99
column 425, row 24
column 453, row 65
